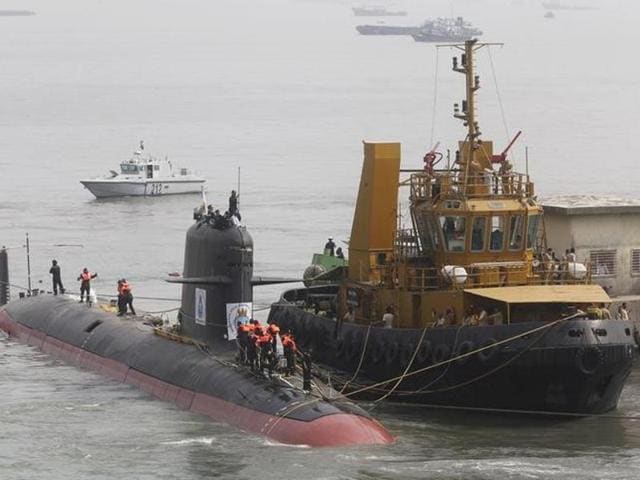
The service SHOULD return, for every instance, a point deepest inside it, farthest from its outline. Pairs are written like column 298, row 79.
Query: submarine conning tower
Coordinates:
column 218, row 268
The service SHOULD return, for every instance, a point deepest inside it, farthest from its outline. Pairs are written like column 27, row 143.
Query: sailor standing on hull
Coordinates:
column 85, row 286
column 55, row 277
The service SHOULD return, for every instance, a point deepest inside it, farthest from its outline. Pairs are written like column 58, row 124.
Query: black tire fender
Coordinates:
column 353, row 348
column 441, row 353
column 391, row 352
column 406, row 353
column 424, row 353
column 377, row 352
column 589, row 359
column 488, row 354
column 463, row 348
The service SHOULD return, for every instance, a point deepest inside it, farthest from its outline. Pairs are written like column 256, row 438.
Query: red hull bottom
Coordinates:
column 328, row 431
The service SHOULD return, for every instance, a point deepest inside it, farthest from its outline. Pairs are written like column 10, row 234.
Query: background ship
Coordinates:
column 438, row 30
column 447, row 30
column 480, row 318
column 377, row 11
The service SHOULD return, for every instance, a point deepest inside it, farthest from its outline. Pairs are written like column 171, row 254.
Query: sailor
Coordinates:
column 127, row 297
column 55, row 277
column 122, row 308
column 85, row 286
column 290, row 349
column 623, row 313
column 264, row 344
column 329, row 247
column 340, row 253
column 306, row 371
column 547, row 258
column 244, row 331
column 233, row 205
column 274, row 331
column 388, row 317
column 252, row 348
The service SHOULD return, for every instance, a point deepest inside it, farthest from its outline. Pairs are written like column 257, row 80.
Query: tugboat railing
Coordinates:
column 448, row 183
column 493, row 274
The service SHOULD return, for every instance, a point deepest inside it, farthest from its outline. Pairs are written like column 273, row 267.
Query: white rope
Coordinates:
column 495, row 81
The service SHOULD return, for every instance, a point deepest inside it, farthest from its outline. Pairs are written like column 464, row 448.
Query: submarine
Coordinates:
column 195, row 368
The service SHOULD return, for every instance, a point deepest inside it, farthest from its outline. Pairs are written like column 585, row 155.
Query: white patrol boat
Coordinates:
column 145, row 175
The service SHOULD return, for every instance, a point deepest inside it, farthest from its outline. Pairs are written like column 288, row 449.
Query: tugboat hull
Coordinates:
column 574, row 366
column 185, row 375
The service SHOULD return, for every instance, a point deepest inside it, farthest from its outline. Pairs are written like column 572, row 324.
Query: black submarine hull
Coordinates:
column 578, row 366
column 186, row 375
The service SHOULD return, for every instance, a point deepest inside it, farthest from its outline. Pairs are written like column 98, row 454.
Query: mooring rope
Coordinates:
column 465, row 355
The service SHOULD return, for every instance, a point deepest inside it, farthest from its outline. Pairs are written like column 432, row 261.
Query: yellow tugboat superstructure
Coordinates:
column 476, row 224
column 465, row 308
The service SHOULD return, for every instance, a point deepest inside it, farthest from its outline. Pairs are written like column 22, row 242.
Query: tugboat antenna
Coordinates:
column 467, row 111
column 238, row 187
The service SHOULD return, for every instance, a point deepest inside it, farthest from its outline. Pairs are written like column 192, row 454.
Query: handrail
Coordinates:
column 425, row 185
column 477, row 275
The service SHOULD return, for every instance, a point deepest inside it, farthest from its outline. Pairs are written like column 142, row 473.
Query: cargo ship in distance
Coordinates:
column 196, row 367
column 377, row 11
column 144, row 175
column 464, row 308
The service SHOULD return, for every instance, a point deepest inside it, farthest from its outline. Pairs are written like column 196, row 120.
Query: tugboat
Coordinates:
column 145, row 176
column 196, row 366
column 466, row 308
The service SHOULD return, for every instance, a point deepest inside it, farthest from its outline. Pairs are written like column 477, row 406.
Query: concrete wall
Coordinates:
column 599, row 229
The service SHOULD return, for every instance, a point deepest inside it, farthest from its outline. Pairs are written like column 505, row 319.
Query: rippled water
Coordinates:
column 286, row 90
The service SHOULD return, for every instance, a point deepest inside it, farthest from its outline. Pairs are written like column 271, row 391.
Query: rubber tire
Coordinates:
column 391, row 353
column 441, row 353
column 589, row 359
column 424, row 353
column 487, row 355
column 464, row 347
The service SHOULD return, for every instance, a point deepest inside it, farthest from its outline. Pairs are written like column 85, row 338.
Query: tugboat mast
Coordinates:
column 467, row 113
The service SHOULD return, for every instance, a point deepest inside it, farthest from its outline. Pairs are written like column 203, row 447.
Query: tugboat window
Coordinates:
column 453, row 231
column 532, row 230
column 432, row 233
column 516, row 231
column 478, row 234
column 497, row 233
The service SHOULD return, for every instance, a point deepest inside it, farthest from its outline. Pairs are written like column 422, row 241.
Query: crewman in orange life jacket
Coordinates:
column 85, row 286
column 290, row 349
column 125, row 297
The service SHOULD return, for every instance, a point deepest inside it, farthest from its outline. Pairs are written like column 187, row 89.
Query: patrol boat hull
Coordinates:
column 112, row 188
column 574, row 366
column 185, row 374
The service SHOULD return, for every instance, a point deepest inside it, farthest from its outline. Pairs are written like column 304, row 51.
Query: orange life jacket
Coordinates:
column 85, row 276
column 288, row 342
column 273, row 329
column 264, row 340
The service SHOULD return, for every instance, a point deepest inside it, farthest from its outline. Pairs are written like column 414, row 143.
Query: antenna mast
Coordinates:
column 467, row 112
